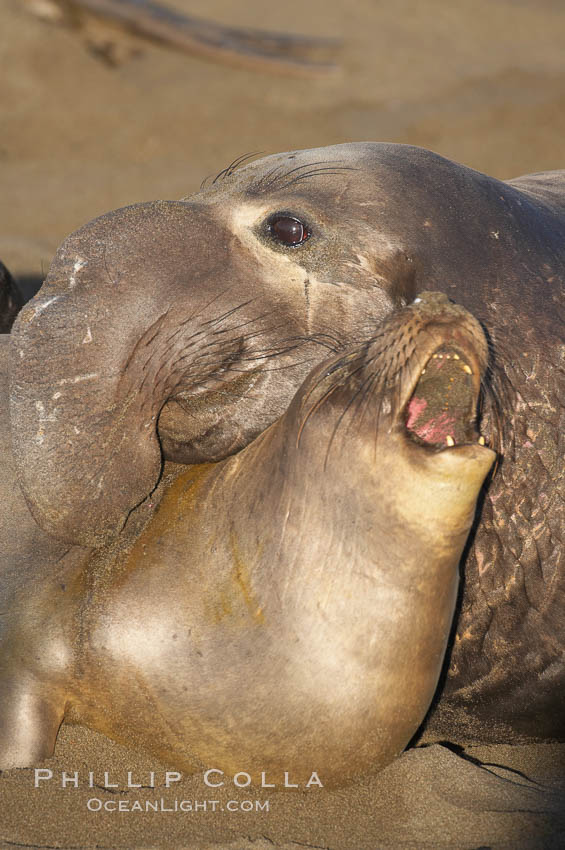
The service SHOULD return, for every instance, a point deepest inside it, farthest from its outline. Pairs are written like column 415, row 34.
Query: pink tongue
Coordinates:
column 431, row 429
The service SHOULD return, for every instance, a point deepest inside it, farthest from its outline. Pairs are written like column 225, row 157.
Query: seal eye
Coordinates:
column 288, row 230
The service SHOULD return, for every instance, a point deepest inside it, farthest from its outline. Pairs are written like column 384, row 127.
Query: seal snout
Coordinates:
column 421, row 374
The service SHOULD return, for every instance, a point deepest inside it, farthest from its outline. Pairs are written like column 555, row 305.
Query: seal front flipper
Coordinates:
column 30, row 716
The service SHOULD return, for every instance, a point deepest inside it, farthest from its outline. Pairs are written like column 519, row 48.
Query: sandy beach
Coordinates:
column 502, row 796
column 479, row 81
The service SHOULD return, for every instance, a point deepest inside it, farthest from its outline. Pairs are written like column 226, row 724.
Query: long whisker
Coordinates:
column 239, row 162
column 313, row 410
column 229, row 169
column 314, row 173
column 280, row 179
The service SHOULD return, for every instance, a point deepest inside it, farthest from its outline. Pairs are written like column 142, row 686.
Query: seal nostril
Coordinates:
column 288, row 229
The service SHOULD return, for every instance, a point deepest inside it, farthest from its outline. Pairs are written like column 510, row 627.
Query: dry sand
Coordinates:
column 480, row 81
column 429, row 798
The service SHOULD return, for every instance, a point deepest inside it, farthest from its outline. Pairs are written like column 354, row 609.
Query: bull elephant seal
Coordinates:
column 286, row 609
column 204, row 316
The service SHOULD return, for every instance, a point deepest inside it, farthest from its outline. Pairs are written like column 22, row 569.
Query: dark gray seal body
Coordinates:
column 183, row 329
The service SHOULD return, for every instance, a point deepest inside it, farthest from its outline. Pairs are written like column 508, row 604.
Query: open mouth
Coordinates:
column 442, row 410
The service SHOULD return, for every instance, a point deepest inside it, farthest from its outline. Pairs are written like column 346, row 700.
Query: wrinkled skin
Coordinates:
column 287, row 609
column 125, row 330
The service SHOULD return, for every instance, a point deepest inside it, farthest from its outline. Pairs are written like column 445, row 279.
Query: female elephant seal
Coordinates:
column 286, row 609
column 205, row 316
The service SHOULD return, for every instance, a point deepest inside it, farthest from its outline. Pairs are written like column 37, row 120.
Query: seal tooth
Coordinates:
column 449, row 440
column 456, row 357
column 481, row 440
column 467, row 369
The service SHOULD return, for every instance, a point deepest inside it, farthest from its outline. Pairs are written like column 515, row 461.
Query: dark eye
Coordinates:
column 288, row 229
